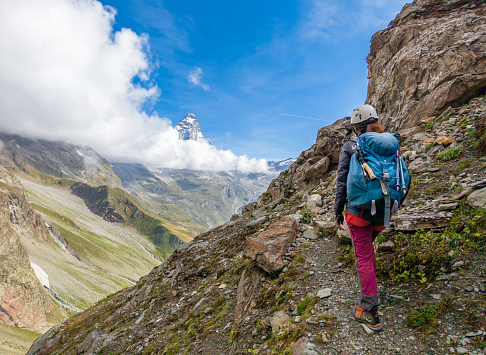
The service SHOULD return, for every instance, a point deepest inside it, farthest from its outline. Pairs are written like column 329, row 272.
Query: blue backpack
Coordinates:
column 377, row 171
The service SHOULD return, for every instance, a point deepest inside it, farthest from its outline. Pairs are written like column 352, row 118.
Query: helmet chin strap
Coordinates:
column 355, row 131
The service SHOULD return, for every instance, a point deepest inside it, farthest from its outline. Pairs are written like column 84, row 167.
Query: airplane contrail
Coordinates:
column 310, row 118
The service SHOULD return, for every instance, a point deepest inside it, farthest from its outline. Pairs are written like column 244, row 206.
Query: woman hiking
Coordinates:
column 363, row 225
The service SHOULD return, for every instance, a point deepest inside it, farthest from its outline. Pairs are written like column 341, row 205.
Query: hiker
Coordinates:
column 363, row 225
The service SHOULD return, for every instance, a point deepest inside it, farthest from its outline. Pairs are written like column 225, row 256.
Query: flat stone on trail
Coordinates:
column 324, row 293
column 303, row 346
column 309, row 234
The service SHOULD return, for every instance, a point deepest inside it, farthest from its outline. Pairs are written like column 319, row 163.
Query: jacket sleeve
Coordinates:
column 342, row 176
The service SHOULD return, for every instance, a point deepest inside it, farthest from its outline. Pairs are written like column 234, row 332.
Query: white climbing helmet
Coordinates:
column 364, row 113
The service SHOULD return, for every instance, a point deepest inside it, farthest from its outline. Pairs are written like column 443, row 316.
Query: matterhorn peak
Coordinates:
column 190, row 129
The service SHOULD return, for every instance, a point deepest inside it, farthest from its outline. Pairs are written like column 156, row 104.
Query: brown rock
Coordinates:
column 481, row 132
column 245, row 294
column 431, row 57
column 444, row 140
column 269, row 247
column 427, row 120
column 386, row 246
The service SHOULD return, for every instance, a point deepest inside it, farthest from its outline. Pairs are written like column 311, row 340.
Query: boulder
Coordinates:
column 478, row 199
column 430, row 57
column 445, row 140
column 411, row 222
column 328, row 229
column 269, row 247
column 313, row 201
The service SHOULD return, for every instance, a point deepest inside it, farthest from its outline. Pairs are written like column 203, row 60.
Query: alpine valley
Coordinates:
column 76, row 228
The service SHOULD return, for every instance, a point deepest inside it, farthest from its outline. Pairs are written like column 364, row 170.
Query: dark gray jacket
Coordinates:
column 342, row 175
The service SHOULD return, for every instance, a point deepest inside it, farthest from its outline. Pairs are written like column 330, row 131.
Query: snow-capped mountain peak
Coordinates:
column 281, row 165
column 190, row 129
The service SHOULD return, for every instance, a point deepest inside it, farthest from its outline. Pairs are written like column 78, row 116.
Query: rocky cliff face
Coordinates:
column 23, row 301
column 429, row 58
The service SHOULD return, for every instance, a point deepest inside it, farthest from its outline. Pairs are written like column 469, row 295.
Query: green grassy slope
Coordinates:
column 112, row 257
column 116, row 205
column 15, row 341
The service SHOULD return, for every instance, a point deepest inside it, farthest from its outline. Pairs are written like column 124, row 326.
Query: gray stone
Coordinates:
column 448, row 206
column 86, row 345
column 304, row 346
column 326, row 228
column 478, row 199
column 257, row 221
column 420, row 163
column 300, row 240
column 324, row 293
column 314, row 201
column 309, row 234
column 479, row 185
column 386, row 246
column 457, row 264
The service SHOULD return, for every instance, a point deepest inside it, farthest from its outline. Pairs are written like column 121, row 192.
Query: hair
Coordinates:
column 375, row 127
column 369, row 127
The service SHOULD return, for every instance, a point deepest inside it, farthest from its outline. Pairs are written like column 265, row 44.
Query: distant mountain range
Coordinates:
column 281, row 165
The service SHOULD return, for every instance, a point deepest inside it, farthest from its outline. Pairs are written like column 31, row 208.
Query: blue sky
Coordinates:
column 261, row 76
column 261, row 62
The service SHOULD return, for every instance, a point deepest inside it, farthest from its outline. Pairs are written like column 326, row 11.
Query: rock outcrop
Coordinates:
column 23, row 301
column 431, row 57
column 313, row 165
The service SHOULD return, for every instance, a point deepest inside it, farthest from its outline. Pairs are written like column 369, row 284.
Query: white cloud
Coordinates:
column 194, row 78
column 65, row 75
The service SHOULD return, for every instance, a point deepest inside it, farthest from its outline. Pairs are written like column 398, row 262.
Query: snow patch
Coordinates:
column 40, row 274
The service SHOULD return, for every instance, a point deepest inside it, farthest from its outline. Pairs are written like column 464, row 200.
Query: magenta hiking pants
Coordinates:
column 365, row 264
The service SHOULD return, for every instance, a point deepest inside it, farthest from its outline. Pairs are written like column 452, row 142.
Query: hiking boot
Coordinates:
column 370, row 319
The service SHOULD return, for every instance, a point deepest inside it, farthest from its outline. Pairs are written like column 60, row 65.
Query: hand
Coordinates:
column 339, row 218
